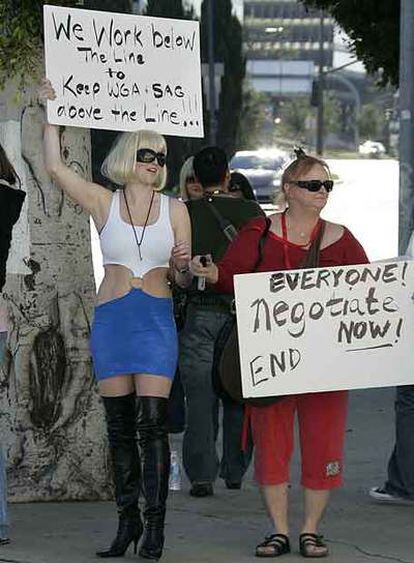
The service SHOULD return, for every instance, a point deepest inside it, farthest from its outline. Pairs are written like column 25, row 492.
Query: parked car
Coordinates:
column 374, row 149
column 263, row 169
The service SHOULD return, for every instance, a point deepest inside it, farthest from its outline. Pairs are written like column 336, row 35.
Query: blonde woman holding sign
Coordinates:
column 145, row 242
column 306, row 184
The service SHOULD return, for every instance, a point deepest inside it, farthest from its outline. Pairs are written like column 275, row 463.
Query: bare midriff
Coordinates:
column 119, row 280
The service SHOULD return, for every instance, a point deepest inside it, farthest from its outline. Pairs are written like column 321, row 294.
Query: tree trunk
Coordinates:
column 51, row 420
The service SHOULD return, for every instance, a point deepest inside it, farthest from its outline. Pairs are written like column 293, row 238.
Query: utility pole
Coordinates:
column 211, row 74
column 406, row 106
column 357, row 100
column 321, row 85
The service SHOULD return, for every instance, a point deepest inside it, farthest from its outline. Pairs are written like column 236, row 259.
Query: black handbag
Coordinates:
column 226, row 362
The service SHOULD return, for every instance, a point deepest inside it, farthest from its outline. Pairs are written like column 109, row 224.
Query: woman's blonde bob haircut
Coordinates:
column 300, row 165
column 119, row 165
column 186, row 172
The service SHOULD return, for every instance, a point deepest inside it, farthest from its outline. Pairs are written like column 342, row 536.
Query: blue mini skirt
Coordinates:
column 135, row 333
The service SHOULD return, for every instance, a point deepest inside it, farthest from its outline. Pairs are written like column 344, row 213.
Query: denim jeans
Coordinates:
column 4, row 524
column 401, row 464
column 200, row 459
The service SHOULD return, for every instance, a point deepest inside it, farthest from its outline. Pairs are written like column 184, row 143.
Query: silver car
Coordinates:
column 263, row 169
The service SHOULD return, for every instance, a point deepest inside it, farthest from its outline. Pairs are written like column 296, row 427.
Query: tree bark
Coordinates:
column 51, row 420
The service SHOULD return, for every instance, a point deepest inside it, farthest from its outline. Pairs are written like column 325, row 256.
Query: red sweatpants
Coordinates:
column 322, row 419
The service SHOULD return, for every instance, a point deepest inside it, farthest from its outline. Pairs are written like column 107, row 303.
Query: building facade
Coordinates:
column 282, row 44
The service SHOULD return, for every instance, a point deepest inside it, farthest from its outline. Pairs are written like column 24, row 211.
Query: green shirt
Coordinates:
column 207, row 234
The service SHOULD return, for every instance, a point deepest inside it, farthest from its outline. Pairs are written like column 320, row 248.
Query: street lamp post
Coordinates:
column 321, row 84
column 357, row 98
column 211, row 81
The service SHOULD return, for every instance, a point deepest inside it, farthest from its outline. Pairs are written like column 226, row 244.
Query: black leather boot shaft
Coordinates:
column 121, row 425
column 155, row 456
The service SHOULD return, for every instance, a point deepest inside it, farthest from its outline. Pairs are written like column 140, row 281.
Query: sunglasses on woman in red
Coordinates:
column 314, row 185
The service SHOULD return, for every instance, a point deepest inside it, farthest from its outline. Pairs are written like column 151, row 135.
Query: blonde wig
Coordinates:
column 119, row 165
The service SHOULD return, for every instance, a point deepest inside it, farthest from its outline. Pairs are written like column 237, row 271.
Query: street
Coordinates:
column 225, row 528
column 365, row 199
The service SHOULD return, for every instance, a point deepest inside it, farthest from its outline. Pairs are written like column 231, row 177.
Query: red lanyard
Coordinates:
column 313, row 235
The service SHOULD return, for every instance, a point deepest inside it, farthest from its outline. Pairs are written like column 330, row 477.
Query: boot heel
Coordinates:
column 152, row 545
column 128, row 532
column 155, row 455
column 121, row 424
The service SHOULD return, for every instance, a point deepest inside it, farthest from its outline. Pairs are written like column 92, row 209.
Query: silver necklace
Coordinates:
column 301, row 234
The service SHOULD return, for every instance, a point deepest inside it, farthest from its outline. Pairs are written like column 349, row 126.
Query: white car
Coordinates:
column 372, row 148
column 263, row 169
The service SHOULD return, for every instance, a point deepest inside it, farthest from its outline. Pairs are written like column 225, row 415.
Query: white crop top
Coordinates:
column 119, row 246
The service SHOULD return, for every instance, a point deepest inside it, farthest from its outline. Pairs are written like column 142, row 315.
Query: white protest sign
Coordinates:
column 123, row 72
column 325, row 329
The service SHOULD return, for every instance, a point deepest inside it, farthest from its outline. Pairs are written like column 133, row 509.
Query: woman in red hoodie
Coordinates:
column 306, row 184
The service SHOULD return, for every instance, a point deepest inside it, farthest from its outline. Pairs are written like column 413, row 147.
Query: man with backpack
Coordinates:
column 215, row 220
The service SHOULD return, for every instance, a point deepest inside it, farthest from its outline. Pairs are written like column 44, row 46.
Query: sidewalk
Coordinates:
column 225, row 528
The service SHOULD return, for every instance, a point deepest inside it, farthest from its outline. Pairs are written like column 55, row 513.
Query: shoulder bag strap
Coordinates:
column 261, row 243
column 311, row 259
column 228, row 229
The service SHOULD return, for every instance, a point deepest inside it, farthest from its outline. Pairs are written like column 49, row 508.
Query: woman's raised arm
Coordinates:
column 95, row 199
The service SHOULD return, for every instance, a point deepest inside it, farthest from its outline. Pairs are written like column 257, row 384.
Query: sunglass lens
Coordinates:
column 145, row 155
column 148, row 155
column 161, row 159
column 315, row 185
column 310, row 185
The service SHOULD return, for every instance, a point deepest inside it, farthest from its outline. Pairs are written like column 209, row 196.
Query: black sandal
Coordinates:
column 279, row 544
column 307, row 543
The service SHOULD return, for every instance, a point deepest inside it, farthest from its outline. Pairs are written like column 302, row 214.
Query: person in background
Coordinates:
column 207, row 311
column 190, row 187
column 11, row 202
column 306, row 184
column 145, row 240
column 3, row 327
column 241, row 187
column 4, row 520
column 399, row 486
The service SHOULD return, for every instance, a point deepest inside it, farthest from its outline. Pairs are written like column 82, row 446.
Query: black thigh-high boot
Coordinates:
column 121, row 425
column 155, row 455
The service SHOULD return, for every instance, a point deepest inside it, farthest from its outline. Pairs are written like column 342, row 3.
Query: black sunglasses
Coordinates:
column 148, row 155
column 314, row 185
